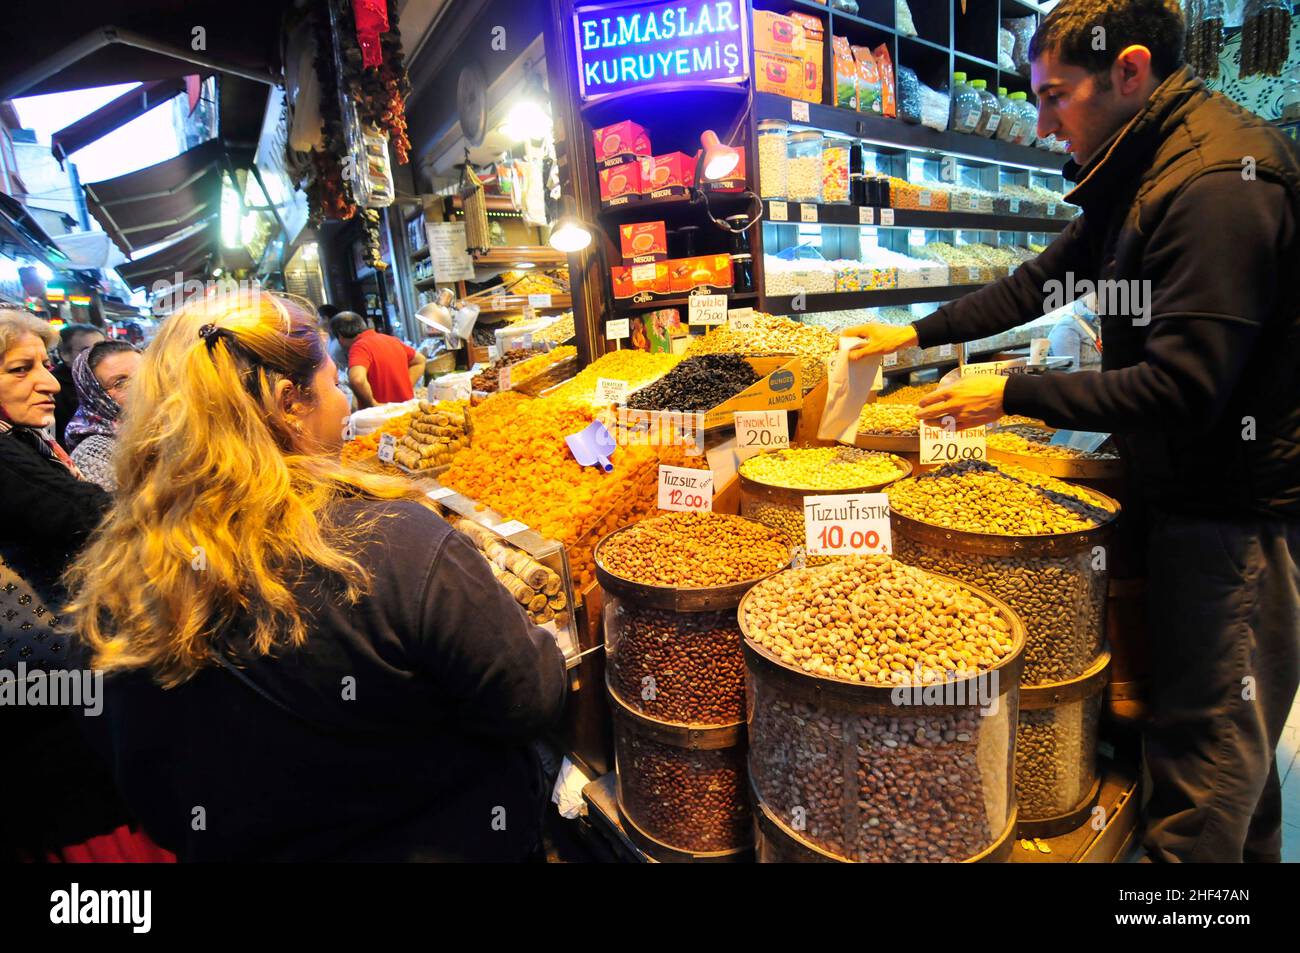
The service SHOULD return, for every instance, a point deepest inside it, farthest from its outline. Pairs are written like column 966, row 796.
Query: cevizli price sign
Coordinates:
column 846, row 523
column 624, row 46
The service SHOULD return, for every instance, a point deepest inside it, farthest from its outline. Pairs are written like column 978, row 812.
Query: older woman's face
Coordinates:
column 27, row 387
column 114, row 374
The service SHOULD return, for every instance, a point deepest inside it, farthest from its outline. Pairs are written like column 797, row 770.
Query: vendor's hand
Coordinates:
column 879, row 339
column 971, row 402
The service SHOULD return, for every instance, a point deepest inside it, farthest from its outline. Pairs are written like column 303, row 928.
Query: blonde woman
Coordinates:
column 305, row 662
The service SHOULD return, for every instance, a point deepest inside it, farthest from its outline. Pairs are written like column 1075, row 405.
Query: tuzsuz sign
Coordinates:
column 634, row 45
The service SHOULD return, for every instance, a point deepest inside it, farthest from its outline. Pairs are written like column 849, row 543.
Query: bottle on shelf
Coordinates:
column 858, row 194
column 1009, row 123
column 773, row 157
column 835, row 170
column 1028, row 117
column 966, row 105
column 990, row 111
column 804, row 170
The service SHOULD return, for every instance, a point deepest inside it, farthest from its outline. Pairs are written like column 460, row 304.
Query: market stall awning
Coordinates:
column 89, row 251
column 191, row 257
column 114, row 115
column 18, row 227
column 77, row 44
column 145, row 207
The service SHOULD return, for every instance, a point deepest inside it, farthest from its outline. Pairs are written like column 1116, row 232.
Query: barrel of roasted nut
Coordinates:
column 1028, row 445
column 773, row 485
column 882, row 711
column 675, row 676
column 1056, row 752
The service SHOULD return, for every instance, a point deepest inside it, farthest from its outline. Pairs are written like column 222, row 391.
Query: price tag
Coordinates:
column 1038, row 349
column 509, row 528
column 866, row 215
column 642, row 273
column 799, row 111
column 886, row 216
column 762, row 430
column 611, row 391
column 879, row 382
column 708, row 309
column 778, row 211
column 742, row 320
column 992, row 124
column 503, row 379
column 891, row 360
column 618, row 328
column 685, row 489
column 441, row 493
column 945, row 351
column 808, row 213
column 1015, row 206
column 387, row 445
column 530, row 313
column 924, row 200
column 540, row 301
column 940, row 445
column 846, row 523
column 973, row 274
column 1051, row 210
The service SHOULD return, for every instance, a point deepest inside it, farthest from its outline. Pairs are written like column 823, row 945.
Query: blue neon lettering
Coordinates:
column 627, row 30
column 604, row 69
column 589, row 73
column 705, row 25
column 732, row 55
column 725, row 22
column 606, row 38
column 590, row 40
column 651, row 29
column 706, row 62
column 668, row 20
column 664, row 59
column 681, row 65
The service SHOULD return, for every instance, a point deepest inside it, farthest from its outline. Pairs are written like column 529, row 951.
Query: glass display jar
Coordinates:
column 1008, row 119
column 1028, row 113
column 990, row 111
column 804, row 169
column 773, row 148
column 966, row 105
column 835, row 171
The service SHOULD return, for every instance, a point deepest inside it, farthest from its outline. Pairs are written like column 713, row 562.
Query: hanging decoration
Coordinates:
column 379, row 90
column 1265, row 37
column 1204, row 40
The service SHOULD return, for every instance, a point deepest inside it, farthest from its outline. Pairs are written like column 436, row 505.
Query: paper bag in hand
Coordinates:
column 847, row 391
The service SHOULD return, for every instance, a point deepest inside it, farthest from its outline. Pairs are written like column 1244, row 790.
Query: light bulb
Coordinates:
column 570, row 235
column 527, row 120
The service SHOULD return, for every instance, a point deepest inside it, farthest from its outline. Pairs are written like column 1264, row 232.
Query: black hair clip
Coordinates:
column 209, row 333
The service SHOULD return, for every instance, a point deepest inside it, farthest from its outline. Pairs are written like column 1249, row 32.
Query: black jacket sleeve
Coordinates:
column 1210, row 272
column 502, row 675
column 43, row 500
column 1010, row 301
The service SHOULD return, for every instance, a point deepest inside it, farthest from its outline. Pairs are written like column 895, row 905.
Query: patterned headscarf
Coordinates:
column 98, row 412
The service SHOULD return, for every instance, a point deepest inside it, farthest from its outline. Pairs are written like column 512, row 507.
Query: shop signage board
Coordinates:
column 447, row 243
column 624, row 46
column 845, row 524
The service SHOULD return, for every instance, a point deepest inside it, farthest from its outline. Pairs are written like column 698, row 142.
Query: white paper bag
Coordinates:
column 847, row 391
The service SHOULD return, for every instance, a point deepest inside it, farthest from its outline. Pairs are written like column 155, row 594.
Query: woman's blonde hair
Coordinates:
column 219, row 506
column 16, row 324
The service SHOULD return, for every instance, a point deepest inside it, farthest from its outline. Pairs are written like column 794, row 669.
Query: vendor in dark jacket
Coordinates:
column 1190, row 210
column 58, row 793
column 305, row 661
column 73, row 340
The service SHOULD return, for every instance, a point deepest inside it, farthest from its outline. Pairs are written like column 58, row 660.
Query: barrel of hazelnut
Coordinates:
column 674, row 671
column 882, row 714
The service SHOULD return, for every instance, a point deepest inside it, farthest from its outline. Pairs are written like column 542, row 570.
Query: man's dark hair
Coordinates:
column 104, row 348
column 327, row 311
column 1070, row 30
column 70, row 332
column 347, row 324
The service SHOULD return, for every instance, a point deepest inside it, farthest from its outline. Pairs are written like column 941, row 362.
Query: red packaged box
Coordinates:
column 622, row 142
column 703, row 271
column 620, row 184
column 667, row 176
column 648, row 280
column 733, row 181
column 643, row 242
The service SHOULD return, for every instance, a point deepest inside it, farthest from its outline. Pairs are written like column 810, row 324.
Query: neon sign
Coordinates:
column 634, row 45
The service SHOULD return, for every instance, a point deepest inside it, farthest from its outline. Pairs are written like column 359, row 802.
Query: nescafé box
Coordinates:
column 643, row 242
column 618, row 143
column 667, row 176
column 780, row 387
column 620, row 184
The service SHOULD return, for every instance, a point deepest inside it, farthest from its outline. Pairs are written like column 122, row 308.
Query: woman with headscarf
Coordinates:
column 60, row 803
column 102, row 375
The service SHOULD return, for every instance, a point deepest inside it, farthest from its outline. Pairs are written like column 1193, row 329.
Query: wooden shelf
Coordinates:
column 848, row 215
column 498, row 304
column 840, row 300
column 424, row 283
column 626, row 307
column 506, row 256
column 887, row 134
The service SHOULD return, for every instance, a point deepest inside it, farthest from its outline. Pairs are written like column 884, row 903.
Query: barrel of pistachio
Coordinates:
column 675, row 677
column 1033, row 541
column 773, row 485
column 882, row 704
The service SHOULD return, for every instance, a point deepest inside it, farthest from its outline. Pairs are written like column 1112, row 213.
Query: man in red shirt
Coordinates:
column 381, row 369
